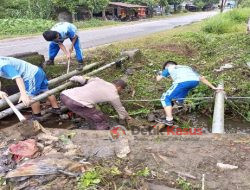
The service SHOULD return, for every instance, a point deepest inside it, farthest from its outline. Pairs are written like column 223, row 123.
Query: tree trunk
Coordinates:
column 223, row 3
column 104, row 14
column 175, row 7
column 91, row 14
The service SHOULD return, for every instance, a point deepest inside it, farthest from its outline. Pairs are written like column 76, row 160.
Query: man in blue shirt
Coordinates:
column 31, row 81
column 58, row 33
column 184, row 79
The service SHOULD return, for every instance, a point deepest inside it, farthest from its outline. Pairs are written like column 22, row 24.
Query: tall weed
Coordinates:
column 232, row 21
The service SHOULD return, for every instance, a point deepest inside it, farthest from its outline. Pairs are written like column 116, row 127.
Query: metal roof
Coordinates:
column 127, row 5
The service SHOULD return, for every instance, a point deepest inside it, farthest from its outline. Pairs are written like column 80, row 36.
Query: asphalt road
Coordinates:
column 96, row 37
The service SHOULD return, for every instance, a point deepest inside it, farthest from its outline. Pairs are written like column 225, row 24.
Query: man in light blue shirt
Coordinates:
column 31, row 81
column 184, row 79
column 58, row 33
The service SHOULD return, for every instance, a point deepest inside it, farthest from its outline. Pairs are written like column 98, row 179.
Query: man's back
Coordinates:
column 95, row 91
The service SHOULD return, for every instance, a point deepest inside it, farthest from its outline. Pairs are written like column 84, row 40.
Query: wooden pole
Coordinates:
column 15, row 97
column 218, row 117
column 44, row 95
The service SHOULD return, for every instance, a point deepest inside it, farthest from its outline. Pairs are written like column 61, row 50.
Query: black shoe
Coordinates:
column 80, row 67
column 49, row 62
column 166, row 122
column 37, row 118
column 56, row 111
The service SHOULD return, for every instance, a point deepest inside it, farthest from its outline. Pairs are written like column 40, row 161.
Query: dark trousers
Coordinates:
column 94, row 117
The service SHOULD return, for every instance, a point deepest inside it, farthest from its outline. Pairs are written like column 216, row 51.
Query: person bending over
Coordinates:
column 31, row 81
column 58, row 33
column 82, row 100
column 184, row 80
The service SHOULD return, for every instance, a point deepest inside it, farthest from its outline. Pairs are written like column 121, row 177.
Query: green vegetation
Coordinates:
column 11, row 27
column 104, row 176
column 17, row 27
column 188, row 45
column 232, row 21
column 244, row 3
column 90, row 178
column 47, row 9
column 95, row 23
column 183, row 184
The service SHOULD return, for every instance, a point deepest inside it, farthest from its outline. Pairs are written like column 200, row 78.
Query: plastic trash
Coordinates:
column 23, row 149
column 226, row 166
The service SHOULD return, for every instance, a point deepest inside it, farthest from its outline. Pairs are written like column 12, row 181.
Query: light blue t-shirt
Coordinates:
column 181, row 73
column 12, row 68
column 65, row 29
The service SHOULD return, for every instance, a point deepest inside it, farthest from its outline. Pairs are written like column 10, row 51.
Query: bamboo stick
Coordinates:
column 44, row 95
column 15, row 97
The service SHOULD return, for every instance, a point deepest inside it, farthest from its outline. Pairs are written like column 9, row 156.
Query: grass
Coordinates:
column 188, row 45
column 14, row 27
column 24, row 27
column 232, row 21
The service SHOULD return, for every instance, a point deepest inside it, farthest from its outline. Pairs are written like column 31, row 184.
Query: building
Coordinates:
column 125, row 11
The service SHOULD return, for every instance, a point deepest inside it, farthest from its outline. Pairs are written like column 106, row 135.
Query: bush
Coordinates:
column 24, row 26
column 238, row 15
column 94, row 23
column 232, row 21
column 245, row 3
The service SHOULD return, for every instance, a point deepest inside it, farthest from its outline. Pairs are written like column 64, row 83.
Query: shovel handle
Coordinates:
column 15, row 110
column 68, row 66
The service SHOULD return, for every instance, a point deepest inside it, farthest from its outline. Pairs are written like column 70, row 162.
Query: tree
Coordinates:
column 95, row 6
column 163, row 4
column 100, row 6
column 175, row 3
column 243, row 3
column 201, row 3
column 66, row 4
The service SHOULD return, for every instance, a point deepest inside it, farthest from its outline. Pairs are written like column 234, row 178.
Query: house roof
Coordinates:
column 127, row 5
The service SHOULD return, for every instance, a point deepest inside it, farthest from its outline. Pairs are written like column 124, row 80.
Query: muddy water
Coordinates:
column 231, row 125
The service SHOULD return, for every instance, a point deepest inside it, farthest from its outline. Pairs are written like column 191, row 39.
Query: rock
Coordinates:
column 132, row 54
column 248, row 64
column 151, row 117
column 226, row 166
column 122, row 147
column 129, row 71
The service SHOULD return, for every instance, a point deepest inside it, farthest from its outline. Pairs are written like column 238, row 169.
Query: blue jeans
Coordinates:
column 178, row 91
column 54, row 49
